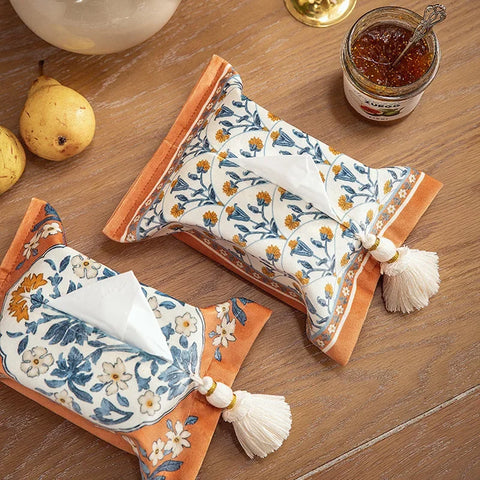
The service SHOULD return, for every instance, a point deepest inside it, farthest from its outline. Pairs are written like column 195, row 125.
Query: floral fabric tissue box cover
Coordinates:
column 129, row 398
column 193, row 187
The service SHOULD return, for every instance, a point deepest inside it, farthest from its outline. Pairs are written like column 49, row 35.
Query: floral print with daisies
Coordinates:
column 75, row 364
column 166, row 453
column 268, row 233
column 110, row 383
column 228, row 314
column 107, row 381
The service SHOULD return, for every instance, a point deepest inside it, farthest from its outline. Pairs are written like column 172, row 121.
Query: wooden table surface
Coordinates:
column 407, row 405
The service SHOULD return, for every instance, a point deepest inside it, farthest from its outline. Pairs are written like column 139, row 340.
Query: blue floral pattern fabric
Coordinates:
column 141, row 402
column 107, row 381
column 258, row 228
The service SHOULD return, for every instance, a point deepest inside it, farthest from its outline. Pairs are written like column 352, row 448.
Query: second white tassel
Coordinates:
column 261, row 422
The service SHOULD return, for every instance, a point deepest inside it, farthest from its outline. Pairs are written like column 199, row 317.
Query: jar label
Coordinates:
column 378, row 109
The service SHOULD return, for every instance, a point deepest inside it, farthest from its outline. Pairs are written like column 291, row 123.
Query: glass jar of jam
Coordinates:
column 372, row 86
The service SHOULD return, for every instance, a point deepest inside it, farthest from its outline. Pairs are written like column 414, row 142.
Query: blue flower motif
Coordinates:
column 299, row 247
column 344, row 174
column 73, row 372
column 236, row 213
column 179, row 185
column 224, row 112
column 350, row 230
column 283, row 140
column 68, row 331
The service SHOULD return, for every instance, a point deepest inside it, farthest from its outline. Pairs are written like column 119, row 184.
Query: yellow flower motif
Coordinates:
column 210, row 218
column 228, row 189
column 335, row 152
column 230, row 210
column 222, row 136
column 236, row 239
column 18, row 304
column 273, row 252
column 273, row 117
column 263, row 198
column 222, row 156
column 336, row 169
column 292, row 244
column 328, row 290
column 176, row 211
column 387, row 187
column 344, row 260
column 255, row 144
column 281, row 190
column 290, row 223
column 370, row 215
column 303, row 280
column 326, row 232
column 203, row 166
column 274, row 135
column 268, row 272
column 345, row 226
column 343, row 204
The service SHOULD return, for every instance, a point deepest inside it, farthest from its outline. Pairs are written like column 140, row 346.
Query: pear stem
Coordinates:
column 40, row 67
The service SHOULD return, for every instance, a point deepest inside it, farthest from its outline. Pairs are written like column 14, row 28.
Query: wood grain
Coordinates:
column 448, row 431
column 402, row 367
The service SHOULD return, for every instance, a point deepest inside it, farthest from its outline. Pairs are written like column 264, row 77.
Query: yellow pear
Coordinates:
column 56, row 122
column 12, row 159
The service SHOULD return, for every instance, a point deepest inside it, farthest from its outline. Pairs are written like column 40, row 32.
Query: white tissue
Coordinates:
column 117, row 306
column 297, row 174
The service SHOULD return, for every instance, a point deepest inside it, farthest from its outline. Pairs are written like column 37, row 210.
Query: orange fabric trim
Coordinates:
column 158, row 165
column 195, row 404
column 8, row 272
column 398, row 231
column 8, row 268
column 366, row 283
column 366, row 280
column 8, row 276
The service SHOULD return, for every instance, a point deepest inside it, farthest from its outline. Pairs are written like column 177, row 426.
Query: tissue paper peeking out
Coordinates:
column 307, row 255
column 123, row 394
column 117, row 306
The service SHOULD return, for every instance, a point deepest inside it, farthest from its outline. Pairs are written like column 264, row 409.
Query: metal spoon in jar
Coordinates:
column 433, row 14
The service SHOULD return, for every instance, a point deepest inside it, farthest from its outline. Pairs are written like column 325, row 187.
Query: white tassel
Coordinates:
column 411, row 276
column 261, row 422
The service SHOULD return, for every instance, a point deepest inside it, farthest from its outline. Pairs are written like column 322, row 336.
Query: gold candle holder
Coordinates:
column 320, row 13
